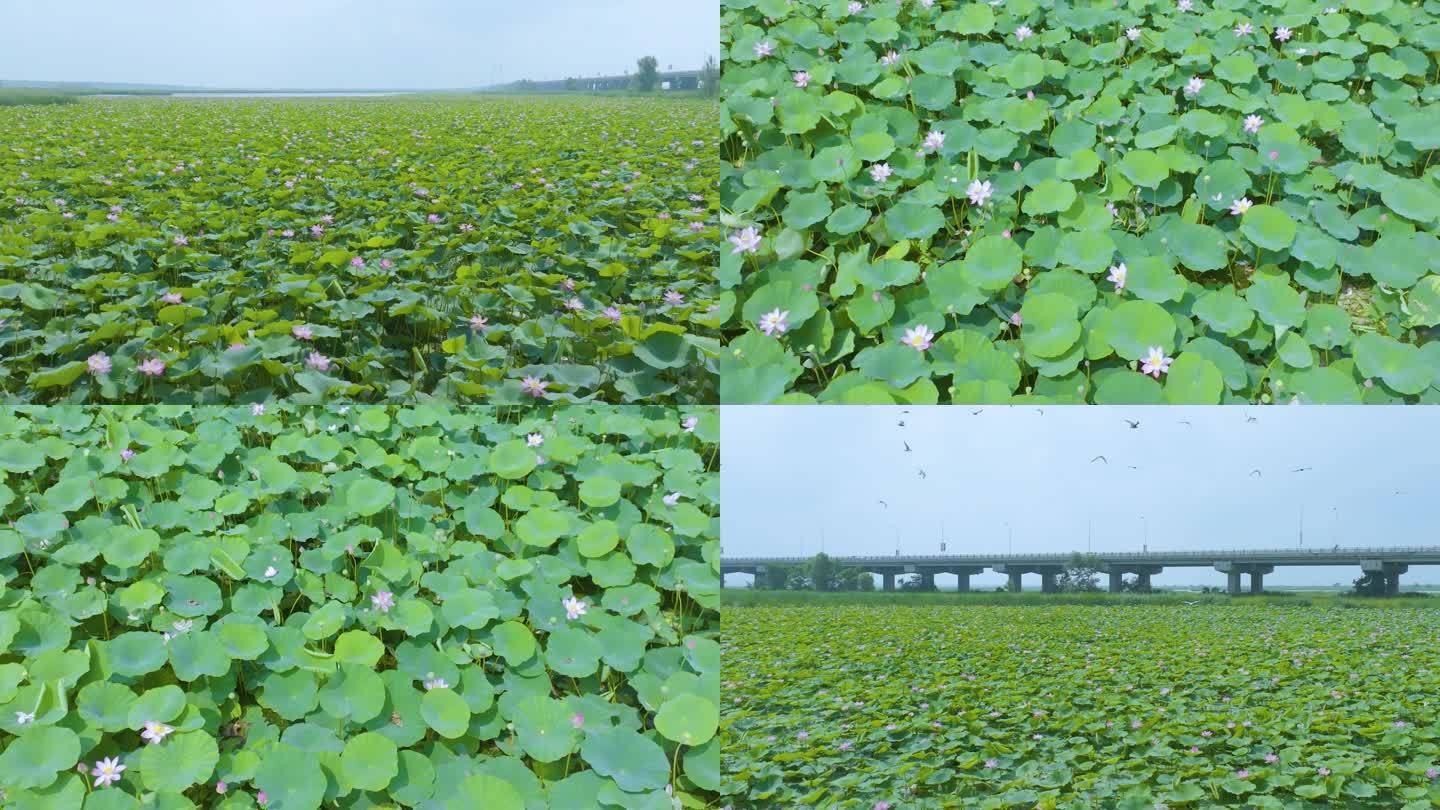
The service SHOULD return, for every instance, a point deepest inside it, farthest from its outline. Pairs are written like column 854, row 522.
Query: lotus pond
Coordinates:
column 299, row 606
column 1188, row 201
column 1080, row 707
column 489, row 250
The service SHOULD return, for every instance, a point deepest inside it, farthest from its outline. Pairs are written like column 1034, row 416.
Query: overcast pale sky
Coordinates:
column 348, row 43
column 792, row 473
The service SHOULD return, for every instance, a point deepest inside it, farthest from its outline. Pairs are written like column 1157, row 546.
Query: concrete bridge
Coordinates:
column 667, row 80
column 1389, row 563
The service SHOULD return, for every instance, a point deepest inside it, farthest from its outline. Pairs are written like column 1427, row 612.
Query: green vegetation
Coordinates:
column 646, row 76
column 17, row 96
column 1178, row 202
column 1069, row 706
column 479, row 249
column 307, row 606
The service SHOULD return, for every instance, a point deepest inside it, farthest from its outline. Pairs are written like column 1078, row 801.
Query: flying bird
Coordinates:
column 1194, row 602
column 1302, row 469
column 977, row 412
column 1133, row 423
column 1183, row 422
column 1039, row 411
column 1254, row 473
column 907, row 446
column 1099, row 458
column 901, row 423
column 1133, row 467
column 882, row 503
column 1249, row 418
column 922, row 473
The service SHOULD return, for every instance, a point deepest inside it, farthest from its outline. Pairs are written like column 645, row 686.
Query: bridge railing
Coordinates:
column 1121, row 556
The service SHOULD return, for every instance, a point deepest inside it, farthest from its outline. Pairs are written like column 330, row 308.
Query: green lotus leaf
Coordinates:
column 370, row 761
column 1268, row 227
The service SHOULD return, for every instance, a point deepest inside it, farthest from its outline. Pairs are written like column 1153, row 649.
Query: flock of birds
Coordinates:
column 1132, row 424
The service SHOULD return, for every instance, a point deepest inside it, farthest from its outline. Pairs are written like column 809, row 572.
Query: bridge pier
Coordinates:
column 1142, row 576
column 1047, row 582
column 889, row 579
column 1014, row 584
column 927, row 579
column 962, row 577
column 1233, row 570
column 1387, row 575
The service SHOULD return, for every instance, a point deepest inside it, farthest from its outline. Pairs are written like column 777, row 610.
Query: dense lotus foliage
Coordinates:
column 486, row 250
column 1080, row 707
column 299, row 606
column 1182, row 201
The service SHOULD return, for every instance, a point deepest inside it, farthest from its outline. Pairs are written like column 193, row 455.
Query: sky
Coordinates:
column 1017, row 477
column 338, row 44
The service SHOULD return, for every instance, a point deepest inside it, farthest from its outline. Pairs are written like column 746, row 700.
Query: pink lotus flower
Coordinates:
column 1323, row 771
column 153, row 367
column 1240, row 206
column 1117, row 276
column 1282, row 33
column 1132, row 34
column 688, row 423
column 257, row 409
column 879, row 172
column 574, row 608
column 1023, row 33
column 577, row 720
column 301, row 332
column 918, row 338
column 534, row 386
column 479, row 323
column 1156, row 363
column 1244, row 29
column 890, row 58
column 181, row 241
column 383, row 601
column 155, row 732
column 673, row 298
column 1271, row 758
column 671, row 499
column 171, row 298
column 127, row 454
column 1242, row 774
column 386, row 264
column 612, row 313
column 98, row 363
column 317, row 361
column 934, row 139
column 107, row 771
column 221, row 787
column 764, row 48
column 979, row 192
column 1253, row 123
column 745, row 240
column 357, row 262
column 802, row 79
